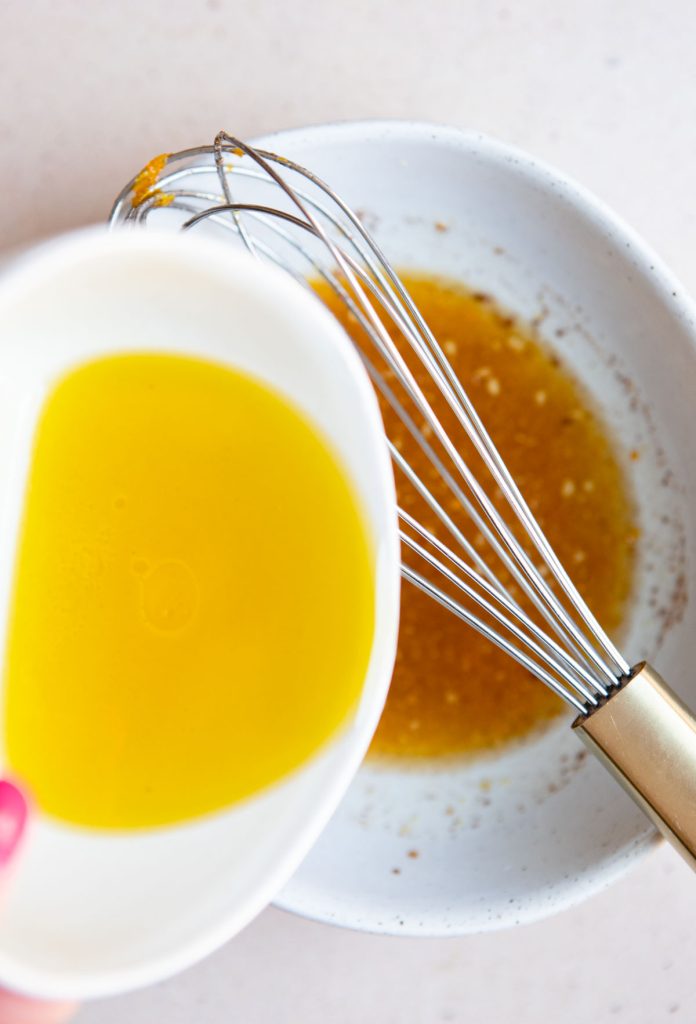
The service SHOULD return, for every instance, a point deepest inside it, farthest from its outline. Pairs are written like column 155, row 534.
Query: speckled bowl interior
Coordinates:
column 517, row 835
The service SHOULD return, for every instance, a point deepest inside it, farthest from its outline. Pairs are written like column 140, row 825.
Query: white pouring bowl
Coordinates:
column 94, row 913
column 524, row 833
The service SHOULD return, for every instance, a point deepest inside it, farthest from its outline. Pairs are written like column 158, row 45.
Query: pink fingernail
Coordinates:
column 13, row 818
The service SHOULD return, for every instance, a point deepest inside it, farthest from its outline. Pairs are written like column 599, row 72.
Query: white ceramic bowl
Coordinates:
column 517, row 836
column 92, row 913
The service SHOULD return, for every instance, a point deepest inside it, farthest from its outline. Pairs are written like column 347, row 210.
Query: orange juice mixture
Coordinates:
column 192, row 613
column 453, row 692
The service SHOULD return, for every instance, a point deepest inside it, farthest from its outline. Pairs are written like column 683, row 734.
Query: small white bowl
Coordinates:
column 94, row 913
column 520, row 835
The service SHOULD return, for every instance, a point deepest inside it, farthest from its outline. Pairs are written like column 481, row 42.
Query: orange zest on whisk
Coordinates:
column 144, row 184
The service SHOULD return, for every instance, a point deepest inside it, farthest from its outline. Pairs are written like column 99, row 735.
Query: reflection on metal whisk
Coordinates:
column 283, row 213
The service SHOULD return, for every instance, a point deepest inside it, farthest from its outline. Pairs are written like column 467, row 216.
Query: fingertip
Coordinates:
column 13, row 818
column 16, row 1009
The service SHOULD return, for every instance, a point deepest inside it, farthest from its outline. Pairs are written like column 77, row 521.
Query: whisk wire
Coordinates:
column 431, row 354
column 458, row 402
column 493, row 636
column 554, row 653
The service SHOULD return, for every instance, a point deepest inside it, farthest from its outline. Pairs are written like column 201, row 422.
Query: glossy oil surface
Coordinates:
column 193, row 602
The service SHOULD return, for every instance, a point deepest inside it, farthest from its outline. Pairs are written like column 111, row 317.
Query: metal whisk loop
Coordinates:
column 390, row 351
column 318, row 235
column 431, row 354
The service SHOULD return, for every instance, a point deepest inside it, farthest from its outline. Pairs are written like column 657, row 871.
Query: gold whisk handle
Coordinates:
column 646, row 737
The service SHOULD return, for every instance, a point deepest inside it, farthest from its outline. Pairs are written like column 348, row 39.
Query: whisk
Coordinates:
column 512, row 589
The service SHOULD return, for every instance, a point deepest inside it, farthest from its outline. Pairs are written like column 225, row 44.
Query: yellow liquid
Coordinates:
column 192, row 614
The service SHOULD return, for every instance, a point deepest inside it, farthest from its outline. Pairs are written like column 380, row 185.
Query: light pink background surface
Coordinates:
column 607, row 92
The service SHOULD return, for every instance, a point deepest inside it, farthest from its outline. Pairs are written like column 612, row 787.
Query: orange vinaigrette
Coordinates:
column 453, row 692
